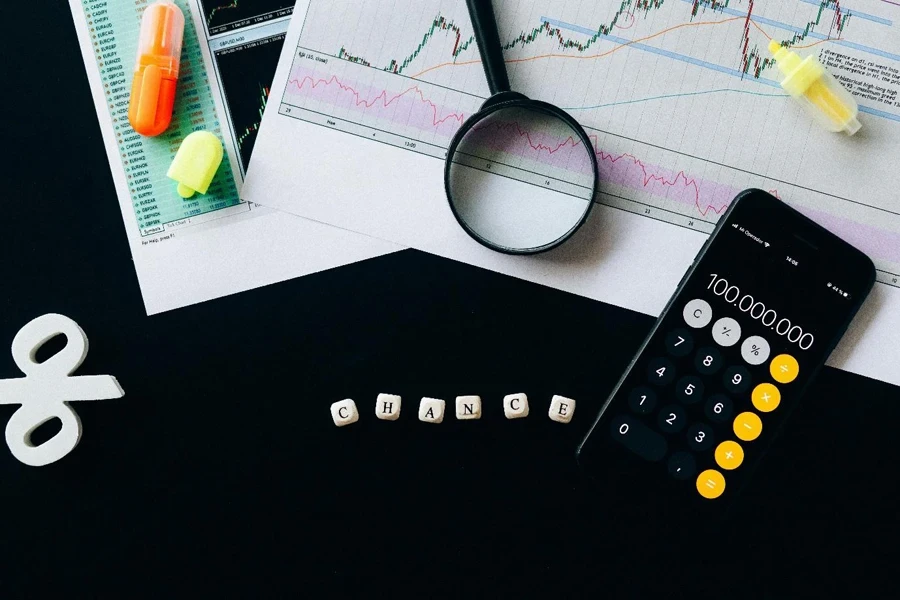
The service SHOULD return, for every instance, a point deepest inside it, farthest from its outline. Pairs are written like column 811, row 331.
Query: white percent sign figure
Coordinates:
column 47, row 389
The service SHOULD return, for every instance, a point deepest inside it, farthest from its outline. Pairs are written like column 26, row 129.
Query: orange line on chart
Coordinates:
column 617, row 48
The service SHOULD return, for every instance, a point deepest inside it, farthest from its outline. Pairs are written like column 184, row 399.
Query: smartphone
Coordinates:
column 755, row 317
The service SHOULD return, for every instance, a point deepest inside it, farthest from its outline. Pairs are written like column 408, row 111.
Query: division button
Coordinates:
column 682, row 465
column 726, row 332
column 639, row 438
column 729, row 455
column 697, row 313
column 710, row 484
column 747, row 426
column 784, row 368
column 755, row 350
column 766, row 397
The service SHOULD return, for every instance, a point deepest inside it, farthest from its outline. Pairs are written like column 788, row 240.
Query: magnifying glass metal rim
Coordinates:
column 507, row 100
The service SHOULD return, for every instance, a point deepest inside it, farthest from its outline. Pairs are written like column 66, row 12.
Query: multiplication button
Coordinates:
column 697, row 313
column 766, row 397
column 755, row 350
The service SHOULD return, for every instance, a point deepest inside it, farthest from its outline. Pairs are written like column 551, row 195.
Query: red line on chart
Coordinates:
column 382, row 96
column 623, row 169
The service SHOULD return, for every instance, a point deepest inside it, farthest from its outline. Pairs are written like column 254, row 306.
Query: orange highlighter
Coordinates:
column 156, row 73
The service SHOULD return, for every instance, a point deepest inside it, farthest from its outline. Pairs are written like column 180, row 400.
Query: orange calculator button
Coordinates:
column 747, row 426
column 729, row 455
column 784, row 368
column 766, row 397
column 710, row 484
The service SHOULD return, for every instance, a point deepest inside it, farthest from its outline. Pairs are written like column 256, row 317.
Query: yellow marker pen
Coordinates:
column 817, row 90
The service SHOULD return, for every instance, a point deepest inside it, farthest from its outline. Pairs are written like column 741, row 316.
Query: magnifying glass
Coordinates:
column 521, row 174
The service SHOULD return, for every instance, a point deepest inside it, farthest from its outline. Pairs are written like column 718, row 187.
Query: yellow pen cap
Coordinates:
column 196, row 163
column 807, row 80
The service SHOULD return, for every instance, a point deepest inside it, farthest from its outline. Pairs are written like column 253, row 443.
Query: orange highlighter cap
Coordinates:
column 156, row 72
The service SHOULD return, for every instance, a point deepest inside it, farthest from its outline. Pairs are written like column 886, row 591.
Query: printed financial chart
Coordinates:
column 228, row 15
column 158, row 208
column 680, row 97
column 245, row 54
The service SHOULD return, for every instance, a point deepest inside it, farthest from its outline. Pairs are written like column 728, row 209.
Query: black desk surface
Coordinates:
column 220, row 472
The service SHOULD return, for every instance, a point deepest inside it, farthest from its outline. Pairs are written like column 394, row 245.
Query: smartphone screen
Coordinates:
column 756, row 316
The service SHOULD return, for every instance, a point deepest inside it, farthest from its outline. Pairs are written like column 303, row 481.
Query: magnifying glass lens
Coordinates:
column 521, row 179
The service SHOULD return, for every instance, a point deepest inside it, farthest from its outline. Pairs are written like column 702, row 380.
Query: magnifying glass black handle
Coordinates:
column 481, row 12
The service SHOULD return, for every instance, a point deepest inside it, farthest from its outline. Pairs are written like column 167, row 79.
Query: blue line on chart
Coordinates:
column 878, row 113
column 812, row 34
column 695, row 61
column 661, row 52
column 681, row 95
column 855, row 13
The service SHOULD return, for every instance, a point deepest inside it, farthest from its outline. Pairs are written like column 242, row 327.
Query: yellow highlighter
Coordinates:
column 817, row 90
column 196, row 163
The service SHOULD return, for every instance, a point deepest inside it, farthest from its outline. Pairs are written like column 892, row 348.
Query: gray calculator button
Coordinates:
column 726, row 332
column 697, row 313
column 755, row 350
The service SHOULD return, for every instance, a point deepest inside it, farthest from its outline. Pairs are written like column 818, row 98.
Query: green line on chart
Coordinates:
column 682, row 95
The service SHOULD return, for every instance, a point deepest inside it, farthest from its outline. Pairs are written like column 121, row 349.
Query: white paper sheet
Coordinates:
column 218, row 245
column 681, row 102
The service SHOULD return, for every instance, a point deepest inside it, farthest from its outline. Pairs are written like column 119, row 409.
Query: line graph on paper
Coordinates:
column 679, row 97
